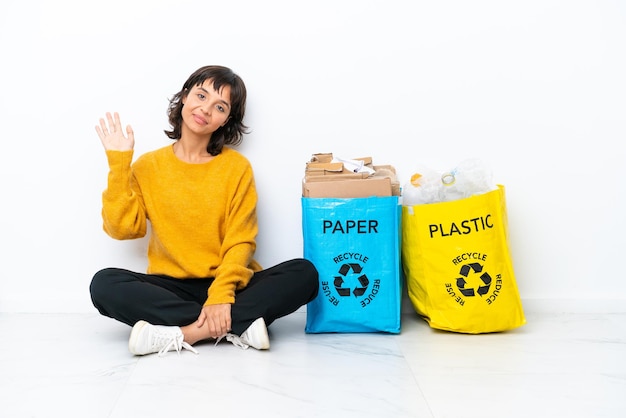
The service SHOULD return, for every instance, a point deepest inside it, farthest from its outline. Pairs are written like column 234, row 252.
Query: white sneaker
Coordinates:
column 146, row 338
column 255, row 336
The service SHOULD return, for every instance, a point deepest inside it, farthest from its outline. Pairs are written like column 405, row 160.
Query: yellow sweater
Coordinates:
column 202, row 216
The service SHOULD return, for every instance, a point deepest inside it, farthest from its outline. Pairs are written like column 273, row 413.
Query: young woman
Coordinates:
column 197, row 197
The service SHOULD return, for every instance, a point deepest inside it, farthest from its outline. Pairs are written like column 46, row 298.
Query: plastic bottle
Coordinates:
column 470, row 177
column 422, row 188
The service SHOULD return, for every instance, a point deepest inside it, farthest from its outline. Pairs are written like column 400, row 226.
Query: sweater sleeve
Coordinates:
column 123, row 212
column 239, row 244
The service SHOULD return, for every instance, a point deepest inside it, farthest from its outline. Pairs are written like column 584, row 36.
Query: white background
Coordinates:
column 534, row 88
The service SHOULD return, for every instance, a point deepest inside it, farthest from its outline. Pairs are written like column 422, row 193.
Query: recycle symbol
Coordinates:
column 344, row 270
column 476, row 269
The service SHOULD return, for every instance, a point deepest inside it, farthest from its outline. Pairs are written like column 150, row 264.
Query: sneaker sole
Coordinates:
column 134, row 335
column 263, row 338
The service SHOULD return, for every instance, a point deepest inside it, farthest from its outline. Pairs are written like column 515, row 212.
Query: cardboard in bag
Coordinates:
column 325, row 177
column 351, row 223
column 347, row 188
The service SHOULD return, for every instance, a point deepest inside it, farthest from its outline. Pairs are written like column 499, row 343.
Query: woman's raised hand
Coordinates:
column 112, row 136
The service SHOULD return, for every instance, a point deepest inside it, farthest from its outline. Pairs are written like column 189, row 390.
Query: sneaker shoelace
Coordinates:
column 175, row 342
column 233, row 339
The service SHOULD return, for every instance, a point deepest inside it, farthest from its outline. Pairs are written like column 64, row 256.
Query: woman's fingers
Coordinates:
column 112, row 135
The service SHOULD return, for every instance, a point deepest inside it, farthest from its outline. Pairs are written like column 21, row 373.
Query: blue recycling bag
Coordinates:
column 355, row 245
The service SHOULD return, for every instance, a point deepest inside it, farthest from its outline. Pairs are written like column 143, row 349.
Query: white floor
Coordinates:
column 557, row 365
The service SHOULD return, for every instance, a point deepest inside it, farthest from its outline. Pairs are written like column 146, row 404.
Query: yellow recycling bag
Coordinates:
column 457, row 264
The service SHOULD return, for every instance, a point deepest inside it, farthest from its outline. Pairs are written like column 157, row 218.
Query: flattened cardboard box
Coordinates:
column 327, row 157
column 324, row 164
column 322, row 169
column 347, row 185
column 367, row 187
column 325, row 177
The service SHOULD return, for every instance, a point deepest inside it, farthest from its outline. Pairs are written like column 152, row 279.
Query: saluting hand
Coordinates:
column 112, row 137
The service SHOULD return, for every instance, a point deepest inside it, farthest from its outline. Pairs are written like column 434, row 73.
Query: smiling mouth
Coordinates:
column 199, row 120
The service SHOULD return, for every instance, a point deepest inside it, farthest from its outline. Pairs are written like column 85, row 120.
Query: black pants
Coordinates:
column 161, row 300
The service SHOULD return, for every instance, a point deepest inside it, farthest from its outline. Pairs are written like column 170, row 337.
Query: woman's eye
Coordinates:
column 201, row 96
column 220, row 108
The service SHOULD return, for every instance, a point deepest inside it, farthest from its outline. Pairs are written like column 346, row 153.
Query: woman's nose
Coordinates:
column 206, row 108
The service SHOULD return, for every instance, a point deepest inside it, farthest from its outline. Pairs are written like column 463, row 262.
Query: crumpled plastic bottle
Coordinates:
column 468, row 178
column 422, row 188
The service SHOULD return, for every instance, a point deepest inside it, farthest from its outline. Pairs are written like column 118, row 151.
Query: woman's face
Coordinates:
column 205, row 109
